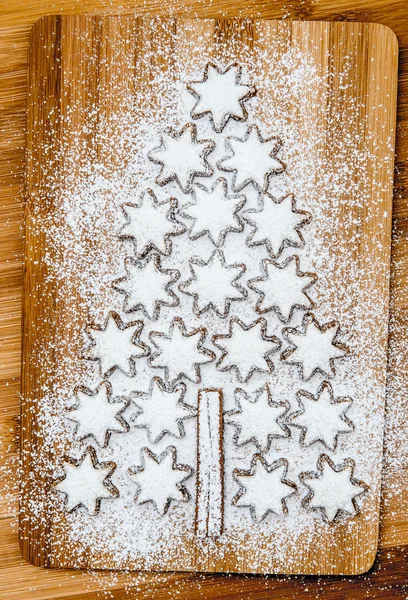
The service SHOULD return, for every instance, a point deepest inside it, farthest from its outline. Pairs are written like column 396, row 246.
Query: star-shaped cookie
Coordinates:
column 115, row 345
column 182, row 157
column 246, row 348
column 264, row 488
column 321, row 418
column 257, row 418
column 160, row 479
column 151, row 224
column 214, row 212
column 87, row 482
column 97, row 415
column 282, row 287
column 162, row 410
column 252, row 159
column 333, row 488
column 221, row 95
column 276, row 224
column 313, row 347
column 180, row 353
column 214, row 284
column 147, row 286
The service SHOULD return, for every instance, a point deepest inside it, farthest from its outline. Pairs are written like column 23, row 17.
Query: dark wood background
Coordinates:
column 18, row 580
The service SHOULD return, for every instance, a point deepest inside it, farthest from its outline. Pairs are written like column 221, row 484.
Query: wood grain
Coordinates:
column 20, row 580
column 64, row 86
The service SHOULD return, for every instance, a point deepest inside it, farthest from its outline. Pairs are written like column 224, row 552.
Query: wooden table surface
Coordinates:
column 19, row 580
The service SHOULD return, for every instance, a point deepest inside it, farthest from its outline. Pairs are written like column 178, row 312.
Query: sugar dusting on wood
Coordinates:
column 85, row 252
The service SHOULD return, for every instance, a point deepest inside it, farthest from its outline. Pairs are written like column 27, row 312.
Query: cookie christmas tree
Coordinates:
column 210, row 294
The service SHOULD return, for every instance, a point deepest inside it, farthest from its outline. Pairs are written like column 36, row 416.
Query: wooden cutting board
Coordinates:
column 98, row 88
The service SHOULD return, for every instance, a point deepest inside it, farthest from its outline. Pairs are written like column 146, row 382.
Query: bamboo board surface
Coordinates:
column 60, row 100
column 20, row 580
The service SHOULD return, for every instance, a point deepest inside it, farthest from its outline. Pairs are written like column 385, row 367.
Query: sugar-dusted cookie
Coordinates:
column 97, row 414
column 214, row 284
column 160, row 479
column 214, row 212
column 314, row 348
column 246, row 348
column 282, row 287
column 221, row 95
column 321, row 418
column 252, row 159
column 147, row 286
column 86, row 482
column 333, row 488
column 258, row 418
column 162, row 411
column 264, row 488
column 276, row 224
column 182, row 157
column 151, row 224
column 115, row 345
column 180, row 352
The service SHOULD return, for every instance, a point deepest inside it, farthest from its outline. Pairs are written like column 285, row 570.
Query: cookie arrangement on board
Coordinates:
column 237, row 324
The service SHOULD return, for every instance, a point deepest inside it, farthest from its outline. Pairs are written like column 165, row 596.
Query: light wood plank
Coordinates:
column 17, row 18
column 62, row 74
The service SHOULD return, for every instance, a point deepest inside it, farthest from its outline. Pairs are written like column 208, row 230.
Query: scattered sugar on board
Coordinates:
column 91, row 203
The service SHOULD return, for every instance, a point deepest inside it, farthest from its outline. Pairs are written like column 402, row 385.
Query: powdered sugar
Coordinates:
column 318, row 188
